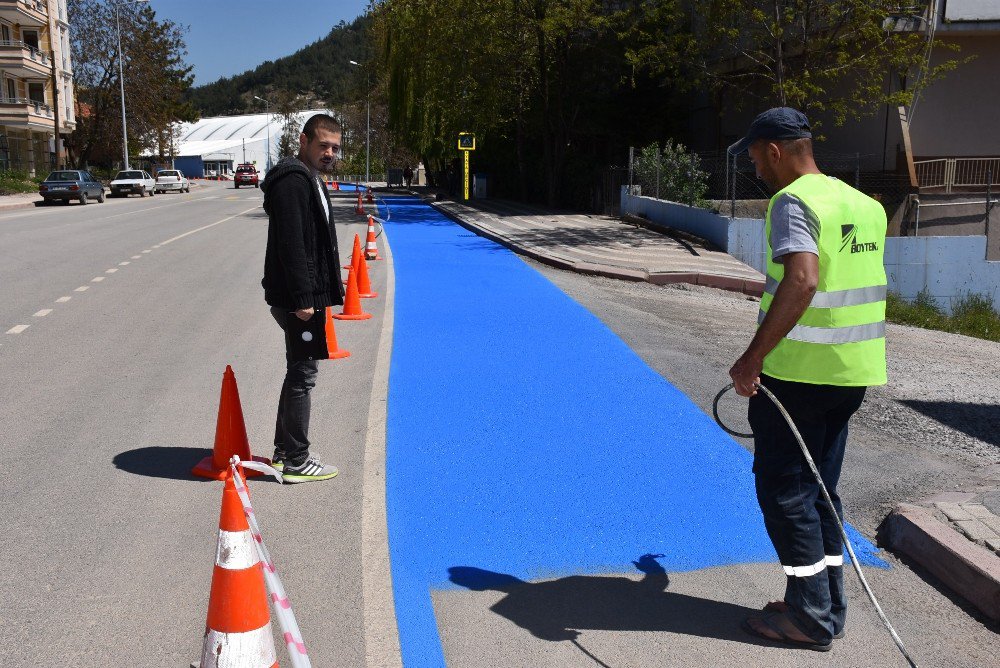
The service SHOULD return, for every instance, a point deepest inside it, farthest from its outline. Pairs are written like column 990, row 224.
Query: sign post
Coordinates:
column 466, row 144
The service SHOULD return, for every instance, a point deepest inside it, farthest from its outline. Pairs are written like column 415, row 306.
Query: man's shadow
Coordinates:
column 558, row 609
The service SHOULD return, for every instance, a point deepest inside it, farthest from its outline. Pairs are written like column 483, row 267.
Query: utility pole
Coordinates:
column 55, row 107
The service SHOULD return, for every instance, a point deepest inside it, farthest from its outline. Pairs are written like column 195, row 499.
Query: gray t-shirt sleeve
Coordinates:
column 794, row 228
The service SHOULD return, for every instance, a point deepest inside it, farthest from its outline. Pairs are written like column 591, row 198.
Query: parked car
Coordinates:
column 247, row 175
column 131, row 181
column 67, row 184
column 172, row 179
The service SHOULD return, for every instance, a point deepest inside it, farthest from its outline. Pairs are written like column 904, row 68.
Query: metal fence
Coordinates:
column 31, row 155
column 733, row 179
column 950, row 173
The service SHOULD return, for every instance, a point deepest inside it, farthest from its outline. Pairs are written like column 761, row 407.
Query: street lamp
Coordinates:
column 368, row 129
column 121, row 77
column 266, row 111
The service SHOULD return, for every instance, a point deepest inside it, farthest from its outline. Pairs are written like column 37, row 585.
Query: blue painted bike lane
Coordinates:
column 525, row 438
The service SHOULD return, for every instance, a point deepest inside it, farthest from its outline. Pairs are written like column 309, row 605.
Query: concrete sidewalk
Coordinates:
column 602, row 246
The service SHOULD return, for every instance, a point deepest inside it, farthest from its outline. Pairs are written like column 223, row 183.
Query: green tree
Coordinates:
column 156, row 78
column 671, row 173
column 542, row 83
column 829, row 55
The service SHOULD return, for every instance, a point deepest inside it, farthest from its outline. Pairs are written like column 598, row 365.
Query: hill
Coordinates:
column 320, row 72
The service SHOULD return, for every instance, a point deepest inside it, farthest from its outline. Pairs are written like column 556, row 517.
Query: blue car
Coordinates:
column 68, row 184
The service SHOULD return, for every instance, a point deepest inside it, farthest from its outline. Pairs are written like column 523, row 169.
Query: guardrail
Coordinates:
column 949, row 173
column 34, row 52
column 40, row 108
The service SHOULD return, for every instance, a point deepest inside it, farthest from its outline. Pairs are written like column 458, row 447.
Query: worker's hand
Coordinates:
column 305, row 313
column 745, row 373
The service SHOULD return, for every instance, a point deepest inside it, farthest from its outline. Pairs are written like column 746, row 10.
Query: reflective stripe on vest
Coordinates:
column 832, row 335
column 838, row 298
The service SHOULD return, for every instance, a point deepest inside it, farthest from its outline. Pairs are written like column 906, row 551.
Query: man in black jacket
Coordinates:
column 301, row 278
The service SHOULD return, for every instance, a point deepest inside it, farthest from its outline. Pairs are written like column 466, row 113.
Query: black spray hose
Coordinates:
column 829, row 504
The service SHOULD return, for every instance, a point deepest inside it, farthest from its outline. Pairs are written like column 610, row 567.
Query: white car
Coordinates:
column 172, row 179
column 131, row 181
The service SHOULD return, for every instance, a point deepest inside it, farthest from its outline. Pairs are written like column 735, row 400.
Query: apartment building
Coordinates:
column 36, row 75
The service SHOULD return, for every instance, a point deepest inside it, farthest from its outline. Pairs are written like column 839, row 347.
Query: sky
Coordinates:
column 228, row 37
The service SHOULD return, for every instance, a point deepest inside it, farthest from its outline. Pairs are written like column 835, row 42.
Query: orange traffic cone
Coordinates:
column 352, row 302
column 230, row 434
column 368, row 196
column 238, row 628
column 355, row 254
column 359, row 208
column 335, row 185
column 364, row 284
column 371, row 248
column 331, row 338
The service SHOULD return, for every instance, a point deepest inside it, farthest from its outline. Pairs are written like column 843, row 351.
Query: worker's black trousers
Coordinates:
column 797, row 518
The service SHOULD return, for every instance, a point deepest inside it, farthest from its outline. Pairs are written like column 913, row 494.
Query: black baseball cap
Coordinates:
column 776, row 123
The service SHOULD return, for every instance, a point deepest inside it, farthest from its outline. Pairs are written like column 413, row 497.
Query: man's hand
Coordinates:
column 305, row 313
column 745, row 373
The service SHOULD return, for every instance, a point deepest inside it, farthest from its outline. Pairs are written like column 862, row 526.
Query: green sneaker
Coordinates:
column 278, row 461
column 313, row 469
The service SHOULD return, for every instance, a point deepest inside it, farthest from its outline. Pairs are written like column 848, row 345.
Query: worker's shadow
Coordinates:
column 558, row 609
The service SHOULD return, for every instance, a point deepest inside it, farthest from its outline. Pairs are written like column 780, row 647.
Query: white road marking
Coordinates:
column 110, row 271
column 218, row 222
column 82, row 288
column 378, row 608
column 124, row 264
column 136, row 257
column 17, row 329
column 97, row 279
column 63, row 300
column 44, row 312
column 147, row 251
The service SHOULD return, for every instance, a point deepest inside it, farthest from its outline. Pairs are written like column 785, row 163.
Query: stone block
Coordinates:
column 975, row 530
column 954, row 511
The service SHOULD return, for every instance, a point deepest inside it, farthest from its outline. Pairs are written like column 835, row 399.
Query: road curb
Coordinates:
column 968, row 569
column 21, row 205
column 749, row 287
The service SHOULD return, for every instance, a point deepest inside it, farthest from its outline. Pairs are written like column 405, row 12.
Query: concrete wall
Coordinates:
column 693, row 220
column 946, row 267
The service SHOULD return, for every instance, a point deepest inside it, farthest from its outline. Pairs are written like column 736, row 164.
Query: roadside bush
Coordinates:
column 671, row 174
column 972, row 315
column 17, row 181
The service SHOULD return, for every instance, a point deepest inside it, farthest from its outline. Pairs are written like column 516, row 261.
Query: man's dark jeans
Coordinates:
column 796, row 516
column 291, row 430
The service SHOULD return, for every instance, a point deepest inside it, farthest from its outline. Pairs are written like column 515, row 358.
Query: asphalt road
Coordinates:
column 111, row 396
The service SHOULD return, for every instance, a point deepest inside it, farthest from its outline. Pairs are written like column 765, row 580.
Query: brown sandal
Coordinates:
column 782, row 607
column 777, row 627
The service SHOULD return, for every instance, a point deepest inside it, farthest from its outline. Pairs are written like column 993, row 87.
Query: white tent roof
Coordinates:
column 220, row 137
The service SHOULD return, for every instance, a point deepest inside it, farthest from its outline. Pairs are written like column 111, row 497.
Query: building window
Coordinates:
column 36, row 92
column 30, row 38
column 11, row 89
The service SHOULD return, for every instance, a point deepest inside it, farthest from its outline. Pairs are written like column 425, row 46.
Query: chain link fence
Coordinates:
column 729, row 184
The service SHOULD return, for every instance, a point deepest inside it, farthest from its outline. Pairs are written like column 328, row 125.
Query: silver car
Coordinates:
column 172, row 179
column 67, row 184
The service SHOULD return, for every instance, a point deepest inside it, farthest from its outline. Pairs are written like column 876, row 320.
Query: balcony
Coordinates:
column 32, row 13
column 23, row 112
column 24, row 60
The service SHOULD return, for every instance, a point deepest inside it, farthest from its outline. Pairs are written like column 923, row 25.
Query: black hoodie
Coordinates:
column 301, row 264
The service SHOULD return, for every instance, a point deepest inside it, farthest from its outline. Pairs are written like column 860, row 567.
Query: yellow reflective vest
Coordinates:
column 840, row 339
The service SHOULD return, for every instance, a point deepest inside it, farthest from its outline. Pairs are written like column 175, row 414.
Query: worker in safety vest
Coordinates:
column 819, row 344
